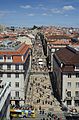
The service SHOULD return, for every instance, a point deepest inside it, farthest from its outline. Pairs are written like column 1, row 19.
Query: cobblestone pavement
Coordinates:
column 39, row 92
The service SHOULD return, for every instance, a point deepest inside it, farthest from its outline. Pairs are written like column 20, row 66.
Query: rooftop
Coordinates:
column 69, row 56
column 59, row 42
column 9, row 45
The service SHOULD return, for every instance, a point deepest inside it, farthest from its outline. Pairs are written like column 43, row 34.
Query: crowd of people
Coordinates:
column 39, row 92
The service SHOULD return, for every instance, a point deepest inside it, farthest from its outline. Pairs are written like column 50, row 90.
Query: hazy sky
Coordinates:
column 39, row 12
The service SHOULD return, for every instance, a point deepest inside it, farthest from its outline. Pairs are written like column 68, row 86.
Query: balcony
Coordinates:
column 76, row 98
column 17, row 98
column 68, row 98
column 12, row 70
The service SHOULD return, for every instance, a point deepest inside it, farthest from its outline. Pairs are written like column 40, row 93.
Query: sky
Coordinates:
column 26, row 13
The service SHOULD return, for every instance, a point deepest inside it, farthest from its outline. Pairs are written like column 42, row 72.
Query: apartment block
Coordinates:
column 66, row 75
column 14, row 68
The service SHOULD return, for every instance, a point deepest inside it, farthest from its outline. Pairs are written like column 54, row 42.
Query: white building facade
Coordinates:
column 14, row 64
column 66, row 76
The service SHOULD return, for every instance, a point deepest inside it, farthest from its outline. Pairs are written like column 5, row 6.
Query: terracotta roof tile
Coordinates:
column 59, row 42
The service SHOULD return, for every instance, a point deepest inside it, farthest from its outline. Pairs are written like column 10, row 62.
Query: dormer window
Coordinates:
column 9, row 57
column 69, row 75
column 77, row 67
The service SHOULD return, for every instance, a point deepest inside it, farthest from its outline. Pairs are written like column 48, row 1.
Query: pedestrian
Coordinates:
column 43, row 118
column 39, row 100
column 51, row 103
column 43, row 102
column 39, row 107
column 46, row 102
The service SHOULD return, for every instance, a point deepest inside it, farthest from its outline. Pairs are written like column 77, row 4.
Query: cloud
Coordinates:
column 25, row 6
column 69, row 7
column 44, row 14
column 56, row 11
column 40, row 5
column 31, row 14
column 61, row 10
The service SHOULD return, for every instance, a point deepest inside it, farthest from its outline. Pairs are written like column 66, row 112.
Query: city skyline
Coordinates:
column 39, row 12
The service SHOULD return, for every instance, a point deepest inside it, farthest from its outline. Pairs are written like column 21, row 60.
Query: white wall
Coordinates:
column 73, row 88
column 12, row 67
column 13, row 88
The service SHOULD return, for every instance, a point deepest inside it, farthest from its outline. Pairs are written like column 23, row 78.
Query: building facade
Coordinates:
column 14, row 66
column 4, row 101
column 66, row 75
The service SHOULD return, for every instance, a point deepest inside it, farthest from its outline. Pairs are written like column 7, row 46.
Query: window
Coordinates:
column 77, row 103
column 8, row 67
column 16, row 84
column 17, row 94
column 16, row 67
column 77, row 75
column 69, row 75
column 69, row 93
column 17, row 75
column 10, row 84
column 76, row 93
column 69, row 84
column 1, row 67
column 9, row 57
column 9, row 75
column 1, row 75
column 77, row 84
column 1, row 57
column 77, row 67
column 68, row 102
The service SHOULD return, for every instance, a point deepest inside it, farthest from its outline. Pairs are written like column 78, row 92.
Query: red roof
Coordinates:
column 69, row 58
column 59, row 42
column 22, row 49
column 17, row 55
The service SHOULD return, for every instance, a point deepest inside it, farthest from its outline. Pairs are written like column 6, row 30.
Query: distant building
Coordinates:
column 66, row 75
column 25, row 39
column 14, row 68
column 4, row 101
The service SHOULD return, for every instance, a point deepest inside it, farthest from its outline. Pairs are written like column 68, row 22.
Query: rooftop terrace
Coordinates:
column 9, row 45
